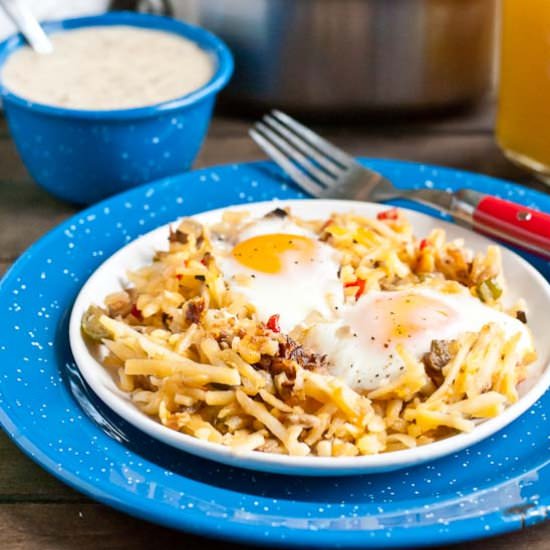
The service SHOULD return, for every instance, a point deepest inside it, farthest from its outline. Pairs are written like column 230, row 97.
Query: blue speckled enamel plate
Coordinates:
column 498, row 485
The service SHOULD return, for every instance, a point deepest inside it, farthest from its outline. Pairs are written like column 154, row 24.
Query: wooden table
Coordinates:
column 37, row 511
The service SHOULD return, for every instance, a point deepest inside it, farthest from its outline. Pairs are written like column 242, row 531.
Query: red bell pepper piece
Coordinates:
column 391, row 214
column 273, row 323
column 136, row 312
column 360, row 284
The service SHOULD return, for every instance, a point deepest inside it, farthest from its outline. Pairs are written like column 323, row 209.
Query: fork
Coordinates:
column 324, row 171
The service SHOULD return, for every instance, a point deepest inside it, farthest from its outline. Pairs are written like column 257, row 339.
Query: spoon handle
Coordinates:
column 20, row 14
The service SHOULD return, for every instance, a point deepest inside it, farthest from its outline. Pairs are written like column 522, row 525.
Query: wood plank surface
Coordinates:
column 37, row 511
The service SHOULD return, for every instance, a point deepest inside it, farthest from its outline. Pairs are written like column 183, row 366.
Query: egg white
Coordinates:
column 273, row 224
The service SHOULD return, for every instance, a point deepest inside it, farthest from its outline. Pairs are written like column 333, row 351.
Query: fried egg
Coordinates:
column 282, row 269
column 361, row 344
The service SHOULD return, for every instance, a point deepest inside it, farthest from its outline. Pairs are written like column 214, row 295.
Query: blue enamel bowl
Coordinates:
column 83, row 156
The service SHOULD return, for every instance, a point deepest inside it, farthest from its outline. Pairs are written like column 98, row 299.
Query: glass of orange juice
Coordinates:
column 523, row 121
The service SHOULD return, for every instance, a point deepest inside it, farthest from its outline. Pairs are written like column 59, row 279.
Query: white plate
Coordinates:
column 523, row 281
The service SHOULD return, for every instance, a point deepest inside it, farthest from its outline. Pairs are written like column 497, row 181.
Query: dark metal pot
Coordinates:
column 351, row 54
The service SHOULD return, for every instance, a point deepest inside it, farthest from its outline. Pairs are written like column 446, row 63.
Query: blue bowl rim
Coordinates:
column 205, row 39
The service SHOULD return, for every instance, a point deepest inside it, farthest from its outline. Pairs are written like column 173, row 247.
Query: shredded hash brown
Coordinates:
column 191, row 354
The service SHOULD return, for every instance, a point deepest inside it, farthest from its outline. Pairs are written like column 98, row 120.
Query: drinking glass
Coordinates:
column 523, row 121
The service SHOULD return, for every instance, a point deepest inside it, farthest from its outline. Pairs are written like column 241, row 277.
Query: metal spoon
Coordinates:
column 20, row 14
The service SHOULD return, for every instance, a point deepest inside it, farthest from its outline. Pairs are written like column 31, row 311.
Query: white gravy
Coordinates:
column 111, row 67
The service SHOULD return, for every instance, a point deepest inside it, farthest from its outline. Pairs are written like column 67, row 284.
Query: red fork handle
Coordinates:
column 510, row 222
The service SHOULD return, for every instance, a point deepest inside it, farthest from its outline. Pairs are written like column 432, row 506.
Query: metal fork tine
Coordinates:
column 317, row 141
column 326, row 163
column 295, row 155
column 305, row 182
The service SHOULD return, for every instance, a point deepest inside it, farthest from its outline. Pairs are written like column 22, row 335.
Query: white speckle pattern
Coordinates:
column 498, row 485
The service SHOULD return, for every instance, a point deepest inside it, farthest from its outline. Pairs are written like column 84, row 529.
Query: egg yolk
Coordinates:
column 409, row 314
column 265, row 252
column 399, row 317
